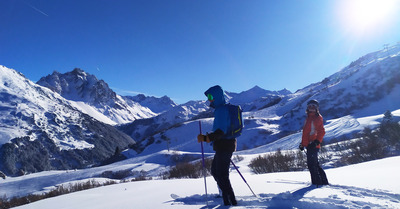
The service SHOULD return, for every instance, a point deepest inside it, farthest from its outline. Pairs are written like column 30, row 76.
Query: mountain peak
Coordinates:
column 257, row 90
column 78, row 71
column 284, row 91
column 256, row 87
column 56, row 73
column 157, row 105
column 78, row 85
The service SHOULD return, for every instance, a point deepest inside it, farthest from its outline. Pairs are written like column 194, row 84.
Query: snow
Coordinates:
column 390, row 102
column 90, row 110
column 35, row 106
column 334, row 128
column 367, row 185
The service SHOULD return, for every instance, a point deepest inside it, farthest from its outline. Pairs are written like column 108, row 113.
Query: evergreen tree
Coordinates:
column 388, row 117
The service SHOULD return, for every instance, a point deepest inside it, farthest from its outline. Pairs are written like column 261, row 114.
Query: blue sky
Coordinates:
column 180, row 48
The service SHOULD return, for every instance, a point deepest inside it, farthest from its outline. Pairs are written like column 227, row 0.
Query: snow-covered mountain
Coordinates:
column 355, row 90
column 157, row 105
column 94, row 97
column 256, row 98
column 367, row 87
column 40, row 130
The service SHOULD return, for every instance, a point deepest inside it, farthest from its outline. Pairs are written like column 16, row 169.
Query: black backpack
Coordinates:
column 236, row 121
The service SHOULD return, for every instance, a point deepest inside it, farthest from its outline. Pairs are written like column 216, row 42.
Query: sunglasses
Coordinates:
column 312, row 105
column 210, row 97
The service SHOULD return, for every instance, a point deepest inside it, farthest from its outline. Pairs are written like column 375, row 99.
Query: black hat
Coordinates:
column 313, row 101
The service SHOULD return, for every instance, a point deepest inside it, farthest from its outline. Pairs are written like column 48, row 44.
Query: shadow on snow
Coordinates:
column 341, row 197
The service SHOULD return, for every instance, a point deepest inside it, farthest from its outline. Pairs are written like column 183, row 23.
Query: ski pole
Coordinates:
column 204, row 166
column 243, row 179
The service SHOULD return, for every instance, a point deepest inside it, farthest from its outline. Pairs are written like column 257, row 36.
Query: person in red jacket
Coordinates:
column 313, row 133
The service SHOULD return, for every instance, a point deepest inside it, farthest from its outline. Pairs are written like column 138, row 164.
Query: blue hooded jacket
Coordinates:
column 221, row 114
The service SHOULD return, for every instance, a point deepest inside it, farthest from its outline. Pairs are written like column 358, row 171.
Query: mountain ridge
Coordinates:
column 80, row 86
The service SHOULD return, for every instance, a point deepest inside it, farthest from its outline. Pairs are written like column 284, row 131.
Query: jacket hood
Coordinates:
column 218, row 94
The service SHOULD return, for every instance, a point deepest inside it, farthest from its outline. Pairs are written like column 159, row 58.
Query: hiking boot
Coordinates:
column 226, row 200
column 230, row 200
column 233, row 201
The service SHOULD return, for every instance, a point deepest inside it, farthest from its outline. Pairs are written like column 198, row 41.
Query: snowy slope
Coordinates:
column 335, row 128
column 40, row 130
column 21, row 100
column 356, row 186
column 155, row 161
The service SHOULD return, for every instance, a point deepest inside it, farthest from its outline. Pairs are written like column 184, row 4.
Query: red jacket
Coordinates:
column 313, row 129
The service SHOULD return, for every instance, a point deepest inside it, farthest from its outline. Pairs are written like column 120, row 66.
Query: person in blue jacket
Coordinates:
column 223, row 146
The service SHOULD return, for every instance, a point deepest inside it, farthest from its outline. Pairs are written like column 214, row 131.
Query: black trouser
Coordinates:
column 220, row 172
column 318, row 176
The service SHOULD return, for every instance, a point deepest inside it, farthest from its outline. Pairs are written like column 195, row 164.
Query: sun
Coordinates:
column 365, row 16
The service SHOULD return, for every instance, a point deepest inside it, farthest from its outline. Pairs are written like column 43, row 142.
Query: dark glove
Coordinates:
column 203, row 138
column 313, row 144
column 301, row 147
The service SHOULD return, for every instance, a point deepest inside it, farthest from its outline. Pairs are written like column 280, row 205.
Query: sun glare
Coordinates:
column 364, row 16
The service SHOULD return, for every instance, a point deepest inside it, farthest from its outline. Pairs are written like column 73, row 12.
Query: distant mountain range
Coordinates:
column 74, row 120
column 157, row 105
